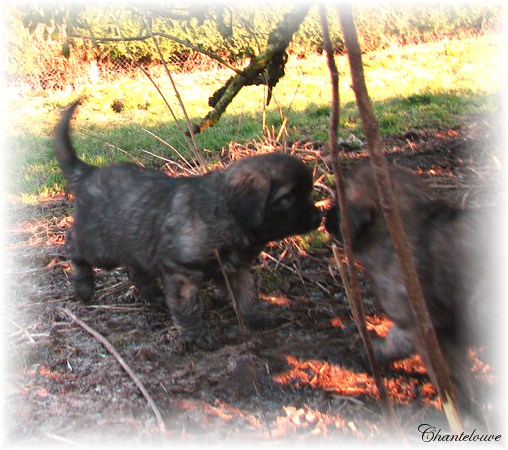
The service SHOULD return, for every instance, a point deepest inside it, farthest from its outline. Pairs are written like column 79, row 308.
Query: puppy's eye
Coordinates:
column 285, row 201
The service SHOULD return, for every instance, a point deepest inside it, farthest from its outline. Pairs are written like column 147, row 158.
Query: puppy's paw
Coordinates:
column 382, row 358
column 84, row 288
column 205, row 341
column 196, row 341
column 263, row 322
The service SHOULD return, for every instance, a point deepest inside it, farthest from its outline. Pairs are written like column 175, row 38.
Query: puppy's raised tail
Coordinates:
column 72, row 167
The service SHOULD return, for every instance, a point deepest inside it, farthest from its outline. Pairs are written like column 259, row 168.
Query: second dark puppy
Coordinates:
column 452, row 253
column 168, row 228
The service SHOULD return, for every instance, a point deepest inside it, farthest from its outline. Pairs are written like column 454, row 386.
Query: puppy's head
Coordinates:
column 366, row 220
column 272, row 196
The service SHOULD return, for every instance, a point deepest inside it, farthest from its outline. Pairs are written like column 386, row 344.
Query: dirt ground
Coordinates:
column 301, row 382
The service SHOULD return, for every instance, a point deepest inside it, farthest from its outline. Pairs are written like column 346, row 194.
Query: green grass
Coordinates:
column 426, row 86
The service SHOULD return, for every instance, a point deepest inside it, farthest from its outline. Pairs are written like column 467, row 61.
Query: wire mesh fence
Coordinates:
column 55, row 72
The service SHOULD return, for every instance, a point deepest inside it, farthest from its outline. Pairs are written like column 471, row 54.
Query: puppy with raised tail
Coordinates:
column 168, row 228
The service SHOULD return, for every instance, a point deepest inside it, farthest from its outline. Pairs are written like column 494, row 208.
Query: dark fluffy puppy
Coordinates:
column 451, row 251
column 168, row 228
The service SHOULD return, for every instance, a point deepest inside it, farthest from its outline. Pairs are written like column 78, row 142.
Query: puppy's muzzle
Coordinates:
column 310, row 219
column 315, row 218
column 359, row 222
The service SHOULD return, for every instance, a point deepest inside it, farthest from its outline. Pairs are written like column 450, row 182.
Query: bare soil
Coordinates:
column 300, row 382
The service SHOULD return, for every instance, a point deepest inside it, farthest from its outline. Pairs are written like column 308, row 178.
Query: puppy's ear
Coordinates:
column 248, row 194
column 332, row 222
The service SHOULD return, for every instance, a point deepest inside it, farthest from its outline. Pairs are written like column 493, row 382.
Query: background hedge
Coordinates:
column 37, row 35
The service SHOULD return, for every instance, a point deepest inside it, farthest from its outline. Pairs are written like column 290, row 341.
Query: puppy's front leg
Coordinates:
column 186, row 310
column 396, row 345
column 82, row 273
column 83, row 281
column 245, row 291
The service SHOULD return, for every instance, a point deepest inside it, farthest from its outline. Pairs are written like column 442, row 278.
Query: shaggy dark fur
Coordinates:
column 451, row 250
column 167, row 228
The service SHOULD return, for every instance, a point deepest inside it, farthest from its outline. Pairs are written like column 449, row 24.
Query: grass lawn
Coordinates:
column 425, row 86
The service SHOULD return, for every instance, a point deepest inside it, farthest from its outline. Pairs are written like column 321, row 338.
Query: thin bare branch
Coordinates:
column 191, row 168
column 243, row 331
column 125, row 152
column 175, row 119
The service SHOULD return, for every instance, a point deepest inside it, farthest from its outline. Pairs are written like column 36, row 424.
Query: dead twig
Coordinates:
column 195, row 148
column 45, row 302
column 23, row 331
column 63, row 440
column 303, row 278
column 123, row 309
column 110, row 290
column 192, row 170
column 114, row 147
column 170, row 109
column 25, row 272
column 243, row 331
column 125, row 152
column 121, row 361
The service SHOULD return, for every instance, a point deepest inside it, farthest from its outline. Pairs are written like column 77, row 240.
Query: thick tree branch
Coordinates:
column 434, row 358
column 268, row 67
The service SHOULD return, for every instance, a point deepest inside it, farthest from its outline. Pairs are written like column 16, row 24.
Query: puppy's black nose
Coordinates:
column 332, row 222
column 316, row 218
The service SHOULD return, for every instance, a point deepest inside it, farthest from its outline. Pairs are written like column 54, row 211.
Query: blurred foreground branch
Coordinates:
column 433, row 358
column 350, row 278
